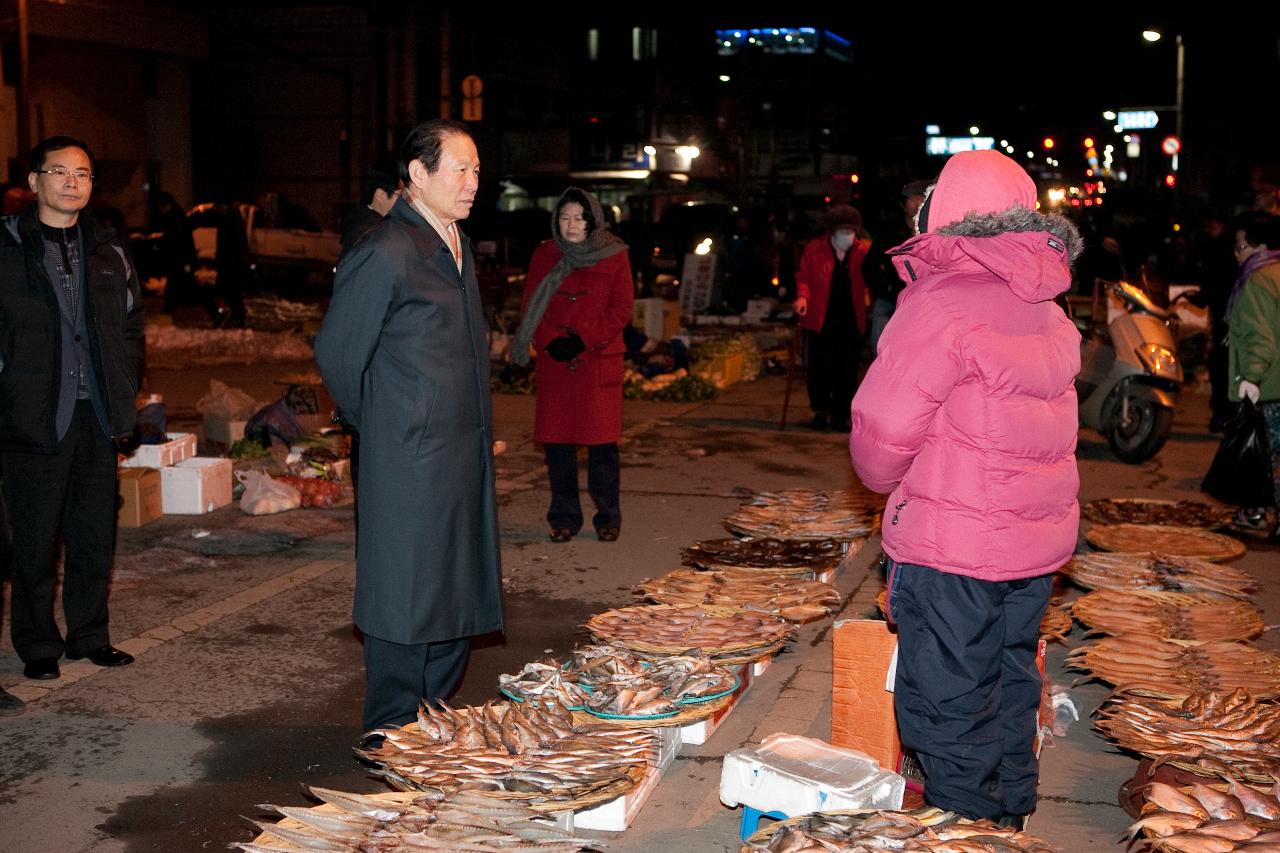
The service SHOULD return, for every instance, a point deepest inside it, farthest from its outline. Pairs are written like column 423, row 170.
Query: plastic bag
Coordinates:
column 226, row 402
column 1240, row 473
column 265, row 496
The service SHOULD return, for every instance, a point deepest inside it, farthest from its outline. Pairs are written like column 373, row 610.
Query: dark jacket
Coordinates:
column 404, row 354
column 358, row 222
column 31, row 332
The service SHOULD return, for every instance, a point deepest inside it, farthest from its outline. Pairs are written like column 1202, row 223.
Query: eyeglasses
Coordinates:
column 81, row 175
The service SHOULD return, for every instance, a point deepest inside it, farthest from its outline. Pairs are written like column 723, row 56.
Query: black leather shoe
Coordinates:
column 104, row 656
column 561, row 534
column 10, row 705
column 608, row 534
column 42, row 669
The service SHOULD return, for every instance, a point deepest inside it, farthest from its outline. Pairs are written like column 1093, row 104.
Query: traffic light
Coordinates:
column 1170, row 180
column 1088, row 142
column 1049, row 143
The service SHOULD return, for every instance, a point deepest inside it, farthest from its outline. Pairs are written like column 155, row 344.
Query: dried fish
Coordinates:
column 1157, row 572
column 769, row 592
column 1178, row 615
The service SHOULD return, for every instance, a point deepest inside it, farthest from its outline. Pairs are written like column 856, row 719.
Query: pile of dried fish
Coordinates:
column 780, row 521
column 724, row 633
column 1235, row 729
column 1176, row 669
column 614, row 680
column 1056, row 623
column 367, row 824
column 543, row 680
column 1146, row 511
column 792, row 599
column 1164, row 539
column 814, row 556
column 1204, row 819
column 510, row 750
column 815, row 500
column 928, row 830
column 1178, row 615
column 1157, row 572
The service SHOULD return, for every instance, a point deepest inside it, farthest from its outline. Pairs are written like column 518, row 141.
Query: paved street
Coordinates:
column 248, row 680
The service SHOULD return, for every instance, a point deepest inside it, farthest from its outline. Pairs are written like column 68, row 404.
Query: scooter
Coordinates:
column 1130, row 374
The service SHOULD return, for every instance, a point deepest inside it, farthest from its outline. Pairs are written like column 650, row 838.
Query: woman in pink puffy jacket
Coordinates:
column 967, row 419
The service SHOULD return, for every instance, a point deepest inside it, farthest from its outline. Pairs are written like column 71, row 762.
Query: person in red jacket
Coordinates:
column 831, row 300
column 577, row 300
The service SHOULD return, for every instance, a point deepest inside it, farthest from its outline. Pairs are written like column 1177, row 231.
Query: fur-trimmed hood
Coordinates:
column 1032, row 252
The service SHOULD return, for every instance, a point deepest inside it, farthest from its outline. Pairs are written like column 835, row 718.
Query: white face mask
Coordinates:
column 842, row 240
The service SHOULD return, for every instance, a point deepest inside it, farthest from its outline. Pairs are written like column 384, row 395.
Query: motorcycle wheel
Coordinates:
column 1143, row 434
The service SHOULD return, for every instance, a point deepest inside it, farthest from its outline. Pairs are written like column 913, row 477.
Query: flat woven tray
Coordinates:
column 795, row 525
column 640, row 628
column 1178, row 615
column 774, row 555
column 794, row 599
column 929, row 816
column 1157, row 572
column 1151, row 511
column 1164, row 539
column 439, row 769
column 1175, row 669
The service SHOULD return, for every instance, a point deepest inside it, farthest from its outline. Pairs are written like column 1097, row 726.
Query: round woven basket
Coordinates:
column 1152, row 511
column 1165, row 539
column 739, row 652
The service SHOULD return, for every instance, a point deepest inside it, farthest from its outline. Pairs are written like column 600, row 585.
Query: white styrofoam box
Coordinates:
column 798, row 775
column 700, row 732
column 181, row 445
column 195, row 486
column 668, row 748
column 617, row 814
column 758, row 667
column 828, row 576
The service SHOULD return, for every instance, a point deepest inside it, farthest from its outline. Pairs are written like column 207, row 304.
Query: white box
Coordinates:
column 700, row 732
column 616, row 815
column 797, row 775
column 195, row 486
column 758, row 667
column 668, row 748
column 181, row 445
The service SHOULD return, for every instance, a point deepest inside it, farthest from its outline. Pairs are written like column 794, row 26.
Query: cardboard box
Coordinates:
column 220, row 433
column 862, row 715
column 724, row 370
column 196, row 486
column 181, row 445
column 140, row 497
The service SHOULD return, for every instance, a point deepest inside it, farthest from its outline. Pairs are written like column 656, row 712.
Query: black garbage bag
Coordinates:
column 150, row 426
column 1240, row 473
column 275, row 422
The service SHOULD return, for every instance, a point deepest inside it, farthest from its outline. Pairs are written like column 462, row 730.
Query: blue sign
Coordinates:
column 1137, row 119
column 944, row 146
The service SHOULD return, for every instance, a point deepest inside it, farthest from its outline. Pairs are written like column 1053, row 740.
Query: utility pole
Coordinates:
column 24, row 67
column 446, row 100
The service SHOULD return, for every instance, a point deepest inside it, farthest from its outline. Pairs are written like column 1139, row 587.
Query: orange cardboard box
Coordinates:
column 140, row 498
column 862, row 716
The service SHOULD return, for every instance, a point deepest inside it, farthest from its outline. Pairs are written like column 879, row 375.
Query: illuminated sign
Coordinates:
column 1137, row 119
column 943, row 146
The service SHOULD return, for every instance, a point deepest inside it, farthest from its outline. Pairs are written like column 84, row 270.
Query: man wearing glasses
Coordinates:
column 71, row 360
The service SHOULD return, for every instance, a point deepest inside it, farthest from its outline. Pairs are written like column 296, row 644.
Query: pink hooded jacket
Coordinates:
column 968, row 415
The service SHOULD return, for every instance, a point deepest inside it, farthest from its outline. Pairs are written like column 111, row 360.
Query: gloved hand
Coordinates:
column 566, row 347
column 1248, row 391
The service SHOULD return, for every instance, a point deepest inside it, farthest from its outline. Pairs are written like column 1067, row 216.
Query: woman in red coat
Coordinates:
column 577, row 300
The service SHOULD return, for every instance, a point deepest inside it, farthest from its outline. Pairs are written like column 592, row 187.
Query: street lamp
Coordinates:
column 1155, row 36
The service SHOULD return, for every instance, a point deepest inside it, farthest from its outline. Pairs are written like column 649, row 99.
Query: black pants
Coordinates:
column 398, row 677
column 832, row 359
column 967, row 687
column 68, row 498
column 602, row 484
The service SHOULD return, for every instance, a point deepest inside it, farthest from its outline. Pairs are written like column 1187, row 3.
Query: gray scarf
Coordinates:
column 600, row 244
